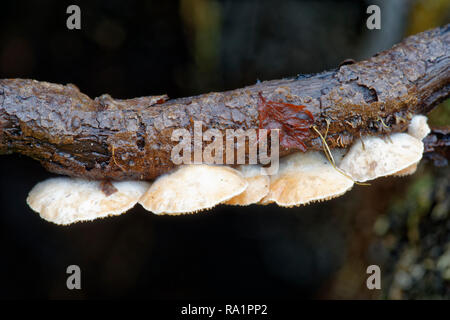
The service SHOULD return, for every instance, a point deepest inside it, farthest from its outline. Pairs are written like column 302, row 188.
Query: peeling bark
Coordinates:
column 107, row 138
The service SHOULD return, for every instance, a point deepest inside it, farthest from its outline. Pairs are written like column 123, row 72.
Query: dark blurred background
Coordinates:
column 182, row 48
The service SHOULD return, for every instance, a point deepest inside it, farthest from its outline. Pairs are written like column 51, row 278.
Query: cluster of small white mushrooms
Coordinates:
column 302, row 178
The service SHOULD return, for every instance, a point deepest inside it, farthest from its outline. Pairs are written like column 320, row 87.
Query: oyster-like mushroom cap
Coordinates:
column 68, row 200
column 192, row 188
column 258, row 186
column 407, row 171
column 377, row 157
column 306, row 177
column 418, row 127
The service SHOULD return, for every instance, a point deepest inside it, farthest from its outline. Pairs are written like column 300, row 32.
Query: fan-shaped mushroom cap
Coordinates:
column 306, row 177
column 407, row 171
column 418, row 127
column 381, row 157
column 258, row 186
column 193, row 188
column 68, row 200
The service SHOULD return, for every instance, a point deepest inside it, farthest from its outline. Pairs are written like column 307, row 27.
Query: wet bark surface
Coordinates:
column 106, row 138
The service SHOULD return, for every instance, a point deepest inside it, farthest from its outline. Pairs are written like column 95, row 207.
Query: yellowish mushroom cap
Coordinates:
column 378, row 157
column 68, row 200
column 306, row 177
column 192, row 188
column 258, row 186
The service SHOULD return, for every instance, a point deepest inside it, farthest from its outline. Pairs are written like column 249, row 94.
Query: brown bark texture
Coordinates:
column 106, row 138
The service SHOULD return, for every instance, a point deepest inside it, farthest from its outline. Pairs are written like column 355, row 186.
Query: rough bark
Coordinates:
column 104, row 138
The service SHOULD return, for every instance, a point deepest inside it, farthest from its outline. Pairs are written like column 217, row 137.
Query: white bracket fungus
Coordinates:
column 192, row 188
column 376, row 157
column 68, row 200
column 302, row 178
column 418, row 127
column 258, row 186
column 306, row 177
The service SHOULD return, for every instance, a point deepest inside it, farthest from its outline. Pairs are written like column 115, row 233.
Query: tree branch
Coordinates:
column 104, row 138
